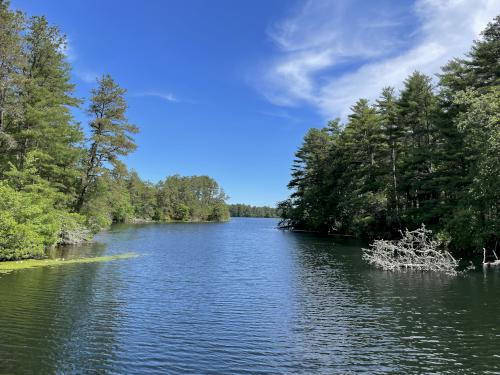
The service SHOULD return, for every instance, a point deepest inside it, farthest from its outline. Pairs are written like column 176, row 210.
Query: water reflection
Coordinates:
column 47, row 313
column 242, row 298
column 367, row 320
column 85, row 250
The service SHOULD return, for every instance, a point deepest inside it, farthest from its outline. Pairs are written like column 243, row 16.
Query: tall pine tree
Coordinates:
column 111, row 134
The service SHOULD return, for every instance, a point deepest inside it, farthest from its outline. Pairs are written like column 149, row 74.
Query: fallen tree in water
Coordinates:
column 416, row 250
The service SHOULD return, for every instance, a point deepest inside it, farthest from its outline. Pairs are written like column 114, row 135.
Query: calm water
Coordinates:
column 242, row 298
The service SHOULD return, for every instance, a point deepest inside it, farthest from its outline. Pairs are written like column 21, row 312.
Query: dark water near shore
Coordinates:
column 242, row 298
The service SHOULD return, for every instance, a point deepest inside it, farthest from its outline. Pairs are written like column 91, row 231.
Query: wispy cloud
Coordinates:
column 280, row 114
column 169, row 97
column 330, row 53
column 86, row 76
column 79, row 71
column 69, row 51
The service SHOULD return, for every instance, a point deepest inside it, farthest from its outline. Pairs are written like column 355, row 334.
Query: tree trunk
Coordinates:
column 394, row 182
column 88, row 174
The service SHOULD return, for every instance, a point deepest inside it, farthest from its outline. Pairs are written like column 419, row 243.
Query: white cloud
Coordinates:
column 333, row 52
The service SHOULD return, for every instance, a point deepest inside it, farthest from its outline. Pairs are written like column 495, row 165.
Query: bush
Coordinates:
column 30, row 222
column 18, row 240
column 97, row 214
column 27, row 224
column 220, row 212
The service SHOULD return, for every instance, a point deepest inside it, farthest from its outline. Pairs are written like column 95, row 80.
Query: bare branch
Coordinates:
column 416, row 250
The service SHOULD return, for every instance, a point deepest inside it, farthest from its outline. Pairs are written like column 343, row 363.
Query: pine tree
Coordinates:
column 417, row 116
column 11, row 65
column 483, row 61
column 45, row 127
column 111, row 133
column 388, row 111
column 365, row 150
column 429, row 156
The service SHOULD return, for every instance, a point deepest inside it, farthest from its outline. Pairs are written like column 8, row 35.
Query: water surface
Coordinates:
column 242, row 298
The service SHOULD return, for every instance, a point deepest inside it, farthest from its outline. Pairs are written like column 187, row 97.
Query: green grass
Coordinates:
column 34, row 263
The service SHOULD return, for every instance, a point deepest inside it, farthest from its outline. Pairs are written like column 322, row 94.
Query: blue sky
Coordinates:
column 229, row 88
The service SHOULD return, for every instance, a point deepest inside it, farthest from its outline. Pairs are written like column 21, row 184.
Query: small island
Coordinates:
column 58, row 184
column 246, row 210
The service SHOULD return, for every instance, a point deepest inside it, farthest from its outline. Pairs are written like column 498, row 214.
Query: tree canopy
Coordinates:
column 245, row 210
column 56, row 184
column 426, row 155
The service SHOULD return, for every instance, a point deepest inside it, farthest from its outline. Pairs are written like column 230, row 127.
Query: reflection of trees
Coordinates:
column 59, row 319
column 444, row 321
column 335, row 327
column 390, row 321
column 92, row 249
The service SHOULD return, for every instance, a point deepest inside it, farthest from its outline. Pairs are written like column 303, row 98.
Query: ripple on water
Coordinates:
column 242, row 298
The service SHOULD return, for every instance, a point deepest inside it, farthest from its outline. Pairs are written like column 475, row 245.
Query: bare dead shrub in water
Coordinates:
column 416, row 250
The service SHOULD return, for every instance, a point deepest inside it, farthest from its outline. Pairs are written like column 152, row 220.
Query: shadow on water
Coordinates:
column 85, row 250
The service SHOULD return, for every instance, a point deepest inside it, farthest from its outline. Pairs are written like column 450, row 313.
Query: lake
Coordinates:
column 242, row 298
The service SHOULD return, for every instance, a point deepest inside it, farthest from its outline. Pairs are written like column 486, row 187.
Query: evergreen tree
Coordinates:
column 47, row 126
column 418, row 113
column 428, row 156
column 387, row 108
column 245, row 210
column 11, row 66
column 475, row 221
column 111, row 134
column 365, row 150
column 483, row 64
column 46, row 168
column 320, row 191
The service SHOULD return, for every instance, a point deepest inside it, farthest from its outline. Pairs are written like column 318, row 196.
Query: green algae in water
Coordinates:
column 34, row 263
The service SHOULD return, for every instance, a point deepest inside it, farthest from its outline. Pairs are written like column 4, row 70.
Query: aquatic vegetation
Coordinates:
column 34, row 263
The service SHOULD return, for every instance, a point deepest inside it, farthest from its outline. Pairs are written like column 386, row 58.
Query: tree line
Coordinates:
column 245, row 210
column 58, row 184
column 427, row 154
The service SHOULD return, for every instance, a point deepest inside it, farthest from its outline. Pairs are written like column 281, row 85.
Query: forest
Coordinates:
column 60, row 184
column 245, row 210
column 428, row 154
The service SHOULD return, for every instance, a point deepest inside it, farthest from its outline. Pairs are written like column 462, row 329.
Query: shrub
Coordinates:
column 27, row 224
column 31, row 222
